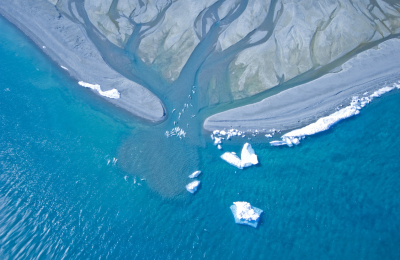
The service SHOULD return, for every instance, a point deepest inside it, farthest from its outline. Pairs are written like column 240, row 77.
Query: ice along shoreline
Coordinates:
column 68, row 45
column 302, row 105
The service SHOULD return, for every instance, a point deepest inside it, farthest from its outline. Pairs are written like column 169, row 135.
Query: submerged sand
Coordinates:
column 304, row 104
column 68, row 45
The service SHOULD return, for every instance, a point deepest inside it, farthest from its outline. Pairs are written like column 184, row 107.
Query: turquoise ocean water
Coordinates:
column 336, row 196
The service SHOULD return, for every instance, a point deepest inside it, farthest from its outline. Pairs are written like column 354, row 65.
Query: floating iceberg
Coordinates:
column 113, row 93
column 245, row 214
column 249, row 158
column 192, row 187
column 232, row 159
column 195, row 174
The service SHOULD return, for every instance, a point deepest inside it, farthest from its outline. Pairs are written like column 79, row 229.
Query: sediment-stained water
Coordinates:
column 73, row 186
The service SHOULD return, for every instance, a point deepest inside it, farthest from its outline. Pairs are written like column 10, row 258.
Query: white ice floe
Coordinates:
column 217, row 140
column 219, row 147
column 113, row 93
column 249, row 158
column 176, row 131
column 194, row 174
column 232, row 159
column 277, row 143
column 245, row 214
column 219, row 135
column 192, row 187
column 327, row 122
column 65, row 68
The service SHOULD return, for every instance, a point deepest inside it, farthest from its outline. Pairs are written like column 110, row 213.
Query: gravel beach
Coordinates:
column 304, row 104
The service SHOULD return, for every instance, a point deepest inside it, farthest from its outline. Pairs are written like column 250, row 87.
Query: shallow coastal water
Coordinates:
column 63, row 195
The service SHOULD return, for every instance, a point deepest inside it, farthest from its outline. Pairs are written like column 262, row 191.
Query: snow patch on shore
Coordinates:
column 113, row 93
column 324, row 123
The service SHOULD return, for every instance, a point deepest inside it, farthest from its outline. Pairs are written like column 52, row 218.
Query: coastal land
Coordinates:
column 129, row 52
column 301, row 105
column 67, row 44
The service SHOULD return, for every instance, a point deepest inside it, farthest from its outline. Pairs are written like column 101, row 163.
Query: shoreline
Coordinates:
column 304, row 104
column 67, row 44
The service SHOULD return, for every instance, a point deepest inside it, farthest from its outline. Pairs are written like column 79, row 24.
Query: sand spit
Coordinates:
column 68, row 45
column 304, row 104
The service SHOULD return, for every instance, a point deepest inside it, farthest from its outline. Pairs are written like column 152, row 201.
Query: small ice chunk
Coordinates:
column 217, row 140
column 215, row 132
column 277, row 143
column 176, row 131
column 268, row 135
column 192, row 187
column 194, row 174
column 288, row 142
column 222, row 132
column 64, row 68
column 295, row 141
column 245, row 214
column 219, row 147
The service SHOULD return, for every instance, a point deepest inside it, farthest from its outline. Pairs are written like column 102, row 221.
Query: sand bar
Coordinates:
column 67, row 44
column 304, row 104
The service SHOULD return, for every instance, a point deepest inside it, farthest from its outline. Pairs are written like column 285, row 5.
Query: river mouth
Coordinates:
column 149, row 152
column 61, row 199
